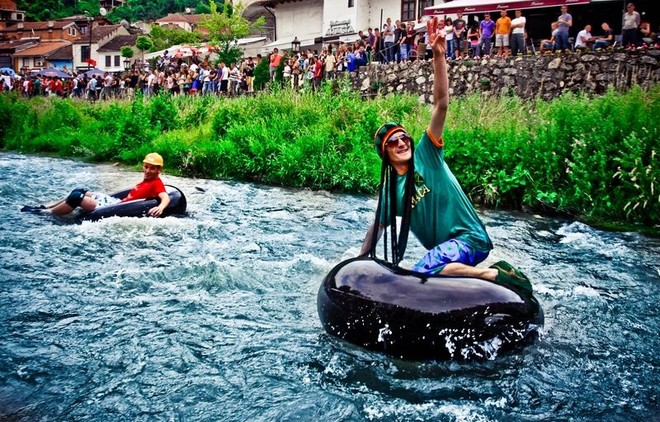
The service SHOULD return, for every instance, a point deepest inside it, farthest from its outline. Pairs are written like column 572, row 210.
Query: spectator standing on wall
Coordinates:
column 473, row 40
column 410, row 40
column 403, row 43
column 449, row 38
column 631, row 22
column 502, row 31
column 370, row 43
column 460, row 35
column 486, row 31
column 398, row 33
column 377, row 47
column 564, row 23
column 518, row 33
column 388, row 37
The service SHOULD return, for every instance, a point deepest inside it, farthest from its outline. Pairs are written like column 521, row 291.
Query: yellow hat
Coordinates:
column 154, row 159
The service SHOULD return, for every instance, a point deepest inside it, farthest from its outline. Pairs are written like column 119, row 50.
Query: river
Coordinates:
column 212, row 317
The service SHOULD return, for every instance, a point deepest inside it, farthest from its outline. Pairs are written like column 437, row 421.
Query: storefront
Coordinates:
column 540, row 13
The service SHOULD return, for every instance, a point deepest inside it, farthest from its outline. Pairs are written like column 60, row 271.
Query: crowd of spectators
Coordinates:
column 395, row 42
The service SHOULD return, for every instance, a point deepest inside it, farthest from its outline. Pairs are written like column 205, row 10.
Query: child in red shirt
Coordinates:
column 150, row 187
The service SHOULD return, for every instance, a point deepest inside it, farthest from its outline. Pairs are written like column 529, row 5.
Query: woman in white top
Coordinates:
column 449, row 30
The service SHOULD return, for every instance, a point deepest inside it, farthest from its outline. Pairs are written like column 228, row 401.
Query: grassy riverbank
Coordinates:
column 593, row 158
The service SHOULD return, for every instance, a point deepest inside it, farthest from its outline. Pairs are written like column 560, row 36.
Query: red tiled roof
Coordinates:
column 62, row 53
column 42, row 49
column 17, row 44
column 118, row 42
column 98, row 33
column 180, row 17
column 8, row 4
column 37, row 26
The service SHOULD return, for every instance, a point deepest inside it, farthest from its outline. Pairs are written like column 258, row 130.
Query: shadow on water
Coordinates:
column 213, row 316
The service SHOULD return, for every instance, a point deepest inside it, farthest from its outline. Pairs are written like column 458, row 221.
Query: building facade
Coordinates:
column 316, row 22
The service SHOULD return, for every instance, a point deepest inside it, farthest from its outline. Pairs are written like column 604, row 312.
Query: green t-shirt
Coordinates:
column 441, row 210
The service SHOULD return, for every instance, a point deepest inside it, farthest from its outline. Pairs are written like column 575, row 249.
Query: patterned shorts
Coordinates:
column 453, row 250
column 102, row 199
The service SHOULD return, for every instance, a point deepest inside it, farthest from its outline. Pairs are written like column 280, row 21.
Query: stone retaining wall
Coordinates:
column 545, row 76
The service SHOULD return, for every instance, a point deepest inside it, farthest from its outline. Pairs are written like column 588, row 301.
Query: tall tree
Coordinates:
column 228, row 25
column 143, row 43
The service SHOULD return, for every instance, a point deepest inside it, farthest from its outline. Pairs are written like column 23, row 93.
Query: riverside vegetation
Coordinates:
column 590, row 158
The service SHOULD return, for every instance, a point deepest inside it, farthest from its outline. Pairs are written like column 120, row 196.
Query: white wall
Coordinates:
column 390, row 9
column 338, row 16
column 299, row 19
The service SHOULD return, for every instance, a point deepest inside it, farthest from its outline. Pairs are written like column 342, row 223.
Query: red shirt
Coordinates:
column 275, row 60
column 146, row 189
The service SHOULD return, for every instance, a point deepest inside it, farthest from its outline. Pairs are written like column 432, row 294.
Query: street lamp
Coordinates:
column 90, row 26
column 127, row 63
column 295, row 45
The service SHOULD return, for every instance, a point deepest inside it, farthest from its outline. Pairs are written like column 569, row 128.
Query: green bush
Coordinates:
column 261, row 75
column 594, row 158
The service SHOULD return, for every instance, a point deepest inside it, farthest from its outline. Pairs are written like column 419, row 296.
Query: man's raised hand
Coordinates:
column 437, row 36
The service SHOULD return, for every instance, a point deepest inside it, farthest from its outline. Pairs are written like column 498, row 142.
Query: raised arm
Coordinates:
column 440, row 81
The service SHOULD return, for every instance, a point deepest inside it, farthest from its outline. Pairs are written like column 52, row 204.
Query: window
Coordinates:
column 351, row 3
column 423, row 4
column 108, row 61
column 408, row 12
column 84, row 53
column 117, row 61
column 72, row 32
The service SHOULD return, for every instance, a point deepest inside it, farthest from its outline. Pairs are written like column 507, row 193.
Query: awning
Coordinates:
column 481, row 6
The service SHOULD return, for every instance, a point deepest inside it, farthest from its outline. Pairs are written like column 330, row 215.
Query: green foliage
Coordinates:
column 150, row 10
column 163, row 37
column 595, row 158
column 162, row 114
column 127, row 52
column 143, row 43
column 225, row 25
column 132, row 10
column 261, row 75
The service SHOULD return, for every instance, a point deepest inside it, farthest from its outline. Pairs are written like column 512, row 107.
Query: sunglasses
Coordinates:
column 395, row 140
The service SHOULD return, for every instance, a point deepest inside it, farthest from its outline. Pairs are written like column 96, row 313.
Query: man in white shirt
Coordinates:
column 631, row 22
column 584, row 38
column 518, row 34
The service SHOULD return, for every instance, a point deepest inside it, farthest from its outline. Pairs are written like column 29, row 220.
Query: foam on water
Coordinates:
column 213, row 316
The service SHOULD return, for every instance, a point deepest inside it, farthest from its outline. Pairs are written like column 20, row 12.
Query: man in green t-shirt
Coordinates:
column 442, row 217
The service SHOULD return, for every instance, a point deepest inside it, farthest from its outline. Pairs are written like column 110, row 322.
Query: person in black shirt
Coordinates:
column 606, row 39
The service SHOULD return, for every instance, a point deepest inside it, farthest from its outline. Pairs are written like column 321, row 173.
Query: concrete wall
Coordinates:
column 532, row 76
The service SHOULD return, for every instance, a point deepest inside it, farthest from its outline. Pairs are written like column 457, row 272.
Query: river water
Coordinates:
column 213, row 316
